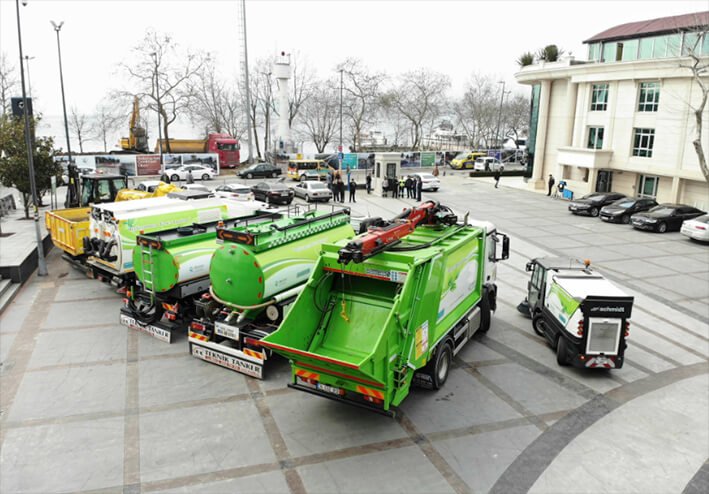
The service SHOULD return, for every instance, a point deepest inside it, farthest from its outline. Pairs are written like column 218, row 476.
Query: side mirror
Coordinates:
column 529, row 267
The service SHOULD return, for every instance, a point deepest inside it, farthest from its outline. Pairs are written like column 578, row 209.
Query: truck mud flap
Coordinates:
column 156, row 330
column 389, row 413
column 229, row 358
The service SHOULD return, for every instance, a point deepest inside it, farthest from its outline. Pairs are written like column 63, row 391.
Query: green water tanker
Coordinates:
column 255, row 275
column 391, row 308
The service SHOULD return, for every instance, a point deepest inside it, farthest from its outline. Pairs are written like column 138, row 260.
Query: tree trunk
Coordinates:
column 697, row 142
column 26, row 204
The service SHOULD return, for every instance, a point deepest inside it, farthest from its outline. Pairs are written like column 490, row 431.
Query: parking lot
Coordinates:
column 90, row 406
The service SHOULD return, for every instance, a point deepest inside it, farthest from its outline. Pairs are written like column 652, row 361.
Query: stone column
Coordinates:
column 538, row 180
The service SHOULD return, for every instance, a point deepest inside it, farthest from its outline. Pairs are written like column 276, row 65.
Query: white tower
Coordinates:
column 281, row 71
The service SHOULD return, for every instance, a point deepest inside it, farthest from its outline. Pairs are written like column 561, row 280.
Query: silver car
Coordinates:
column 312, row 191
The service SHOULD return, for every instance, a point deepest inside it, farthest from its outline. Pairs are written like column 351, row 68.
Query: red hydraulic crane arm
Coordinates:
column 378, row 238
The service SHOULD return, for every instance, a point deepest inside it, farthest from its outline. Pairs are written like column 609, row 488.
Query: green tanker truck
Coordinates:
column 171, row 270
column 255, row 275
column 391, row 308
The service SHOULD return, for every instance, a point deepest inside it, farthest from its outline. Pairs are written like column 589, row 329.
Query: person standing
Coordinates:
column 190, row 178
column 353, row 190
column 402, row 186
column 497, row 177
column 369, row 183
column 341, row 189
column 419, row 188
column 551, row 183
column 409, row 187
column 329, row 182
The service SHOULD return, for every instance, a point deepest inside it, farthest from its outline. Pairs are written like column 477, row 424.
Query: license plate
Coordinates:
column 572, row 208
column 227, row 331
column 330, row 389
column 605, row 218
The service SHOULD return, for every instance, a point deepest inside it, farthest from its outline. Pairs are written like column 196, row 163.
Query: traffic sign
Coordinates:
column 18, row 106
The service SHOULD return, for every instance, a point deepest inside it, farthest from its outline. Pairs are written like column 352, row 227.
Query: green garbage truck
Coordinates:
column 582, row 315
column 391, row 307
column 171, row 270
column 255, row 275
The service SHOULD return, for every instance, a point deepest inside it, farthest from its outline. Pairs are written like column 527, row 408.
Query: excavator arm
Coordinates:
column 388, row 233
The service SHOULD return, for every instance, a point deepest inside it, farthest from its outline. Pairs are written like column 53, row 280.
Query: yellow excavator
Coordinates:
column 137, row 140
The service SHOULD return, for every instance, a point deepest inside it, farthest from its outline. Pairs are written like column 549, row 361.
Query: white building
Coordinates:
column 623, row 121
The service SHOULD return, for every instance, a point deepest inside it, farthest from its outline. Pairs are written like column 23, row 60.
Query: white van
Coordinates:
column 488, row 164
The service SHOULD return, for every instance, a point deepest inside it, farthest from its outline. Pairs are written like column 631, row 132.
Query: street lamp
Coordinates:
column 157, row 97
column 41, row 261
column 499, row 115
column 29, row 79
column 57, row 28
column 339, row 154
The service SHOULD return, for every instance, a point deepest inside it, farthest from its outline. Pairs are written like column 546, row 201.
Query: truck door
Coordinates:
column 534, row 288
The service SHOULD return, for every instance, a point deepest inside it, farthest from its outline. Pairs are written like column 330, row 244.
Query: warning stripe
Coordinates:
column 370, row 392
column 252, row 353
column 198, row 336
column 307, row 374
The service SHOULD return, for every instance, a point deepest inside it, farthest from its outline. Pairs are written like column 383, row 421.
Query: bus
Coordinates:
column 302, row 170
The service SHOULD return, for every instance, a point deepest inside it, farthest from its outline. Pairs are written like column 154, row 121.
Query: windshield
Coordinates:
column 624, row 203
column 317, row 185
column 226, row 147
column 703, row 218
column 426, row 176
column 662, row 210
column 592, row 196
column 461, row 156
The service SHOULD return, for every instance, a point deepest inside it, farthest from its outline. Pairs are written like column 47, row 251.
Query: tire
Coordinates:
column 625, row 219
column 205, row 177
column 307, row 198
column 594, row 212
column 442, row 365
column 175, row 178
column 538, row 324
column 561, row 353
column 485, row 316
column 661, row 227
column 302, row 178
column 435, row 190
column 249, row 175
column 274, row 175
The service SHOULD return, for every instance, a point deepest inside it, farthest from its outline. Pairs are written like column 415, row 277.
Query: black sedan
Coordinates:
column 260, row 170
column 592, row 203
column 272, row 193
column 621, row 210
column 665, row 217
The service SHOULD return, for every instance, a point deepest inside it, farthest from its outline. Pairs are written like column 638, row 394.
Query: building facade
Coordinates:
column 623, row 120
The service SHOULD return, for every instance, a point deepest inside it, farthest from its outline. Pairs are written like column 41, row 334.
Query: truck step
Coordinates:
column 8, row 290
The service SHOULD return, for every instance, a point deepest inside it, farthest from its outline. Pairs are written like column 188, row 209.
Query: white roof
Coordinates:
column 593, row 284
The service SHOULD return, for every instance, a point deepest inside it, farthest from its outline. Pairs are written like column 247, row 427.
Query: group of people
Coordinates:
column 337, row 187
column 411, row 185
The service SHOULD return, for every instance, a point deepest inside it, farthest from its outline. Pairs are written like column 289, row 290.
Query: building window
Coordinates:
column 595, row 138
column 630, row 50
column 645, row 51
column 594, row 52
column 649, row 96
column 599, row 97
column 610, row 52
column 643, row 142
column 647, row 186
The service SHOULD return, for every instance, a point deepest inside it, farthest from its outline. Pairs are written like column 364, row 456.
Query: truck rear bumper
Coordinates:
column 225, row 356
column 389, row 413
column 159, row 330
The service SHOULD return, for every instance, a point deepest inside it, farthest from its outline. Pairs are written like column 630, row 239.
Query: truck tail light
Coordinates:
column 374, row 400
column 579, row 330
column 252, row 342
column 627, row 329
column 198, row 326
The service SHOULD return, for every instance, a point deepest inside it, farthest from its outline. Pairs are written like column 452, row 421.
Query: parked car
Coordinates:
column 239, row 192
column 312, row 191
column 148, row 185
column 260, row 170
column 429, row 182
column 621, row 210
column 197, row 187
column 487, row 164
column 199, row 172
column 665, row 217
column 698, row 228
column 272, row 193
column 592, row 203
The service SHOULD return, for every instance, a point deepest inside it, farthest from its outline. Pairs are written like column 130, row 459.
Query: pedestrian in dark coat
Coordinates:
column 353, row 190
column 551, row 183
column 419, row 188
column 341, row 189
column 409, row 187
column 497, row 177
column 369, row 184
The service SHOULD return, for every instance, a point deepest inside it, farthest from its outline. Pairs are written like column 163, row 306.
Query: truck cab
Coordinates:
column 226, row 147
column 582, row 315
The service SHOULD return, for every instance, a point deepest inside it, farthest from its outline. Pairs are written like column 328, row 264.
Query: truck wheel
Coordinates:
column 485, row 316
column 175, row 178
column 442, row 366
column 249, row 175
column 594, row 212
column 561, row 352
column 538, row 324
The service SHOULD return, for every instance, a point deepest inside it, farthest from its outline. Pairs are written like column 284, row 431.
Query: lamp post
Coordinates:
column 57, row 28
column 499, row 115
column 41, row 262
column 157, row 97
column 339, row 153
column 29, row 79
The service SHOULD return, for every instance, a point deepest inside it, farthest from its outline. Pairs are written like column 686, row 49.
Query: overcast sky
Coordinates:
column 453, row 37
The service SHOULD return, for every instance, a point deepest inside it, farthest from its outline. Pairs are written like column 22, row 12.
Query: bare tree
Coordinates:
column 362, row 90
column 478, row 109
column 302, row 83
column 107, row 120
column 8, row 83
column 262, row 103
column 698, row 66
column 320, row 115
column 79, row 126
column 419, row 96
column 163, row 76
column 215, row 106
column 515, row 116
